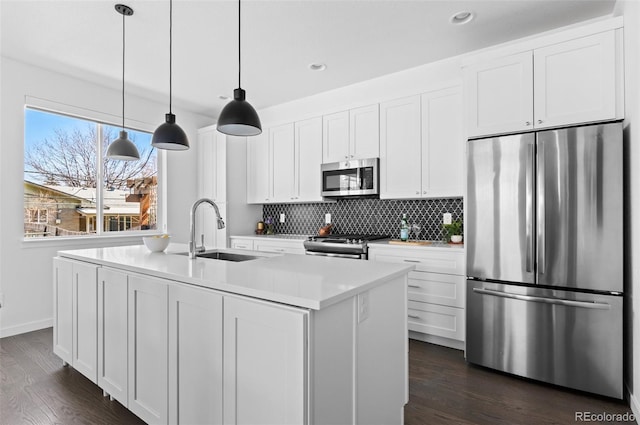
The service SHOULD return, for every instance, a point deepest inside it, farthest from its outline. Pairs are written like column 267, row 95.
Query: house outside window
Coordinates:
column 72, row 189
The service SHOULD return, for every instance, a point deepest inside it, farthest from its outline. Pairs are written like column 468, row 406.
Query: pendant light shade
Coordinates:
column 122, row 148
column 238, row 118
column 170, row 136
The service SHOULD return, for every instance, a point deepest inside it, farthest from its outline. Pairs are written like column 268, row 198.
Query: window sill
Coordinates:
column 87, row 241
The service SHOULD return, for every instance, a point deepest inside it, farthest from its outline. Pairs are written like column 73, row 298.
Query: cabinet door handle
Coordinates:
column 412, row 316
column 539, row 121
column 417, row 192
column 413, row 286
column 411, row 261
column 424, row 192
column 528, row 123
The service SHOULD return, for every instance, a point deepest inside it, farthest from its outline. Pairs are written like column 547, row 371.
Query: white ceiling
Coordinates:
column 357, row 40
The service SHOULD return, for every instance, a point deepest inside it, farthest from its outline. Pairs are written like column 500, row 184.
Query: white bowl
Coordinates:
column 456, row 238
column 156, row 243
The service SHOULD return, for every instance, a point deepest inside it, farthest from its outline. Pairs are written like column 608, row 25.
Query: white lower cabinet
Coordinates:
column 148, row 347
column 113, row 305
column 195, row 356
column 75, row 315
column 435, row 291
column 269, row 244
column 264, row 357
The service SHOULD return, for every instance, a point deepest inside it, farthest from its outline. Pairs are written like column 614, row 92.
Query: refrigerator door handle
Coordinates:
column 529, row 209
column 541, row 210
column 557, row 301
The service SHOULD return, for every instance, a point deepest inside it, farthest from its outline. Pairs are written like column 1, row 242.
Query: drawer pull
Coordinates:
column 412, row 316
column 411, row 261
column 413, row 286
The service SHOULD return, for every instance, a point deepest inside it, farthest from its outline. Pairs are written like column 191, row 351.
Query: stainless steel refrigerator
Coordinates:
column 544, row 238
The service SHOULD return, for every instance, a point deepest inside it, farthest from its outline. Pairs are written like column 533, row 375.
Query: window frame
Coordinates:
column 101, row 119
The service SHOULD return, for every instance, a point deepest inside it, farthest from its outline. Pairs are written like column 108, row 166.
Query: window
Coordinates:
column 72, row 189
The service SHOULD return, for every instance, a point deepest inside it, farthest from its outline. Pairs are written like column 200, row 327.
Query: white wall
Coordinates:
column 393, row 86
column 25, row 267
column 631, row 12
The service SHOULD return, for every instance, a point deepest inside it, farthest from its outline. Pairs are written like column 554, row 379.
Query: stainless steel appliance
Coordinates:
column 340, row 245
column 544, row 240
column 358, row 177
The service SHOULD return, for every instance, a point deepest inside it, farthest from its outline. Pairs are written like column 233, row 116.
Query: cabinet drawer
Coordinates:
column 242, row 244
column 279, row 247
column 447, row 322
column 437, row 288
column 445, row 261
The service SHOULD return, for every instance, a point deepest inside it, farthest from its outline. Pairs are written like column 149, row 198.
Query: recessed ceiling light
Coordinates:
column 462, row 17
column 317, row 67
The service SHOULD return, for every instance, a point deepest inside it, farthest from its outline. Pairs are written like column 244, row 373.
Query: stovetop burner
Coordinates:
column 344, row 236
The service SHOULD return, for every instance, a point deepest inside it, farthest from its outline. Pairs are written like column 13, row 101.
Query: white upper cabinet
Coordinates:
column 364, row 132
column 400, row 148
column 575, row 81
column 443, row 141
column 282, row 157
column 335, row 137
column 308, row 151
column 351, row 134
column 571, row 82
column 500, row 95
column 212, row 164
column 259, row 183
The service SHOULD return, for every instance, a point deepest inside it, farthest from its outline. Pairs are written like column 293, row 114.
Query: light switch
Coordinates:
column 446, row 218
column 327, row 218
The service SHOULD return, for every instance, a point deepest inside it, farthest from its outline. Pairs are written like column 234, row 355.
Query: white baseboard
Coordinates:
column 26, row 327
column 635, row 405
column 432, row 339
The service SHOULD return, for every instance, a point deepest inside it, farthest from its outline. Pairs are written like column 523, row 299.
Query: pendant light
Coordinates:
column 122, row 148
column 169, row 135
column 238, row 118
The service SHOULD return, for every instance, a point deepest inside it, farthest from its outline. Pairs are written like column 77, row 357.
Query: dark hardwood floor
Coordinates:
column 444, row 389
column 36, row 389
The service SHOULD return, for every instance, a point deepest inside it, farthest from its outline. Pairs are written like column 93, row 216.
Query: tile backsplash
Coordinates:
column 368, row 216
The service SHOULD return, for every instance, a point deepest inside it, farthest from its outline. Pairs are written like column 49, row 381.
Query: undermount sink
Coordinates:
column 222, row 255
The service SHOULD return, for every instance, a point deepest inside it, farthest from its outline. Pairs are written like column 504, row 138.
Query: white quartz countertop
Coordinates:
column 299, row 280
column 439, row 245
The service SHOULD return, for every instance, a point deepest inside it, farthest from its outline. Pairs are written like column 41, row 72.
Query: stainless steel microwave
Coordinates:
column 358, row 177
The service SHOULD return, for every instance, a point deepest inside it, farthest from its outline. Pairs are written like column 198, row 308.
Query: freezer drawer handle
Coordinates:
column 568, row 303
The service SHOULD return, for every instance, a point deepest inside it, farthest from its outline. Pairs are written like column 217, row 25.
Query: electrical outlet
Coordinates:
column 327, row 218
column 282, row 217
column 364, row 306
column 446, row 218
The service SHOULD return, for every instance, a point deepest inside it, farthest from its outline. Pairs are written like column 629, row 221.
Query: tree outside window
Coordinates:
column 62, row 179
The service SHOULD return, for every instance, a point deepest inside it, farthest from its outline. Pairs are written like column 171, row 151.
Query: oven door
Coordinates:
column 350, row 178
column 337, row 255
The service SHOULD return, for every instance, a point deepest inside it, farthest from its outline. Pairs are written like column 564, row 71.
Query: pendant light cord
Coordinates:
column 170, row 50
column 239, row 46
column 123, row 44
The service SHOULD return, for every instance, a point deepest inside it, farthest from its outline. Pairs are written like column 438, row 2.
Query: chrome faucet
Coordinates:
column 193, row 249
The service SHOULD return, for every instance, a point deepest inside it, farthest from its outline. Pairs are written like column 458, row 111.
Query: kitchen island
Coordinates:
column 278, row 339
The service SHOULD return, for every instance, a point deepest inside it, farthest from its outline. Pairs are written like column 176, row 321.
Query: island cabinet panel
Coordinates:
column 63, row 309
column 85, row 324
column 265, row 368
column 75, row 315
column 148, row 346
column 195, row 356
column 112, row 333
